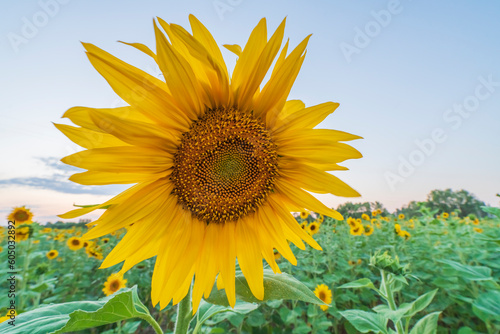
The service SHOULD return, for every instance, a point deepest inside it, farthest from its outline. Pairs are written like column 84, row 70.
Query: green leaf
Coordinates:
column 76, row 316
column 395, row 315
column 207, row 310
column 366, row 321
column 426, row 325
column 276, row 286
column 471, row 273
column 358, row 284
column 491, row 210
column 487, row 306
column 466, row 330
column 420, row 303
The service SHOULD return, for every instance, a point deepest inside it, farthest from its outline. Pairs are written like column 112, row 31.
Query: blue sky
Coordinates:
column 419, row 80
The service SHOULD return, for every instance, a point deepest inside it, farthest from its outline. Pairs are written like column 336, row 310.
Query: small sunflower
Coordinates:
column 277, row 254
column 364, row 216
column 397, row 228
column 475, row 221
column 114, row 283
column 352, row 222
column 357, row 230
column 478, row 230
column 105, row 240
column 404, row 234
column 304, row 214
column 368, row 229
column 374, row 213
column 313, row 228
column 21, row 215
column 22, row 233
column 74, row 243
column 52, row 254
column 351, row 262
column 219, row 162
column 401, row 216
column 94, row 251
column 359, row 262
column 47, row 230
column 321, row 218
column 446, row 215
column 379, row 211
column 325, row 294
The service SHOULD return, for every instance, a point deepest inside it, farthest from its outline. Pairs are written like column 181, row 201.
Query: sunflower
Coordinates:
column 218, row 162
column 52, row 254
column 357, row 230
column 313, row 228
column 401, row 216
column 303, row 225
column 368, row 229
column 47, row 230
column 105, row 240
column 21, row 215
column 359, row 262
column 304, row 214
column 94, row 251
column 404, row 234
column 446, row 215
column 374, row 213
column 114, row 283
column 478, row 230
column 352, row 222
column 74, row 243
column 351, row 262
column 379, row 211
column 364, row 216
column 397, row 228
column 475, row 221
column 321, row 218
column 22, row 233
column 325, row 294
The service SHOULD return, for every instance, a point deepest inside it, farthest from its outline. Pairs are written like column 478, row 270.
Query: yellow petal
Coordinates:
column 234, row 48
column 250, row 257
column 306, row 118
column 102, row 178
column 88, row 138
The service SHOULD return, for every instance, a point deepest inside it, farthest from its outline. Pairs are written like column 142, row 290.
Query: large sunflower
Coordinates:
column 218, row 161
column 21, row 215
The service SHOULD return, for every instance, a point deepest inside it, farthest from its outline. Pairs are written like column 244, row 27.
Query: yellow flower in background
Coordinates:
column 47, row 230
column 374, row 213
column 94, row 251
column 478, row 230
column 404, row 234
column 74, row 243
column 21, row 215
column 352, row 222
column 7, row 315
column 351, row 263
column 368, row 229
column 22, row 233
column 36, row 241
column 359, row 262
column 357, row 230
column 475, row 221
column 358, row 221
column 313, row 228
column 303, row 225
column 325, row 294
column 321, row 218
column 401, row 216
column 218, row 162
column 52, row 254
column 105, row 240
column 304, row 214
column 445, row 215
column 379, row 211
column 364, row 216
column 277, row 255
column 397, row 228
column 114, row 283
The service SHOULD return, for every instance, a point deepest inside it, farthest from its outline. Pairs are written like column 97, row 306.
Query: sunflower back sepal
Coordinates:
column 79, row 315
column 276, row 287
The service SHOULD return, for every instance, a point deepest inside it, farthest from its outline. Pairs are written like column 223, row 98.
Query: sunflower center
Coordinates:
column 322, row 295
column 75, row 242
column 225, row 166
column 114, row 285
column 21, row 216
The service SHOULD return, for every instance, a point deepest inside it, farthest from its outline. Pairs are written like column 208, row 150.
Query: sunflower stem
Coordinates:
column 184, row 315
column 390, row 299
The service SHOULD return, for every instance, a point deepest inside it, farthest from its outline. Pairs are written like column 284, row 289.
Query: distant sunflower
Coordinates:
column 404, row 234
column 397, row 228
column 105, row 240
column 401, row 216
column 478, row 230
column 364, row 216
column 94, row 251
column 21, row 215
column 352, row 222
column 368, row 229
column 313, row 228
column 357, row 230
column 218, row 162
column 325, row 294
column 446, row 215
column 304, row 214
column 114, row 283
column 320, row 219
column 22, row 233
column 74, row 243
column 52, row 254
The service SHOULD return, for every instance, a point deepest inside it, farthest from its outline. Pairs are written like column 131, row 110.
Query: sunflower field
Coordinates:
column 440, row 270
